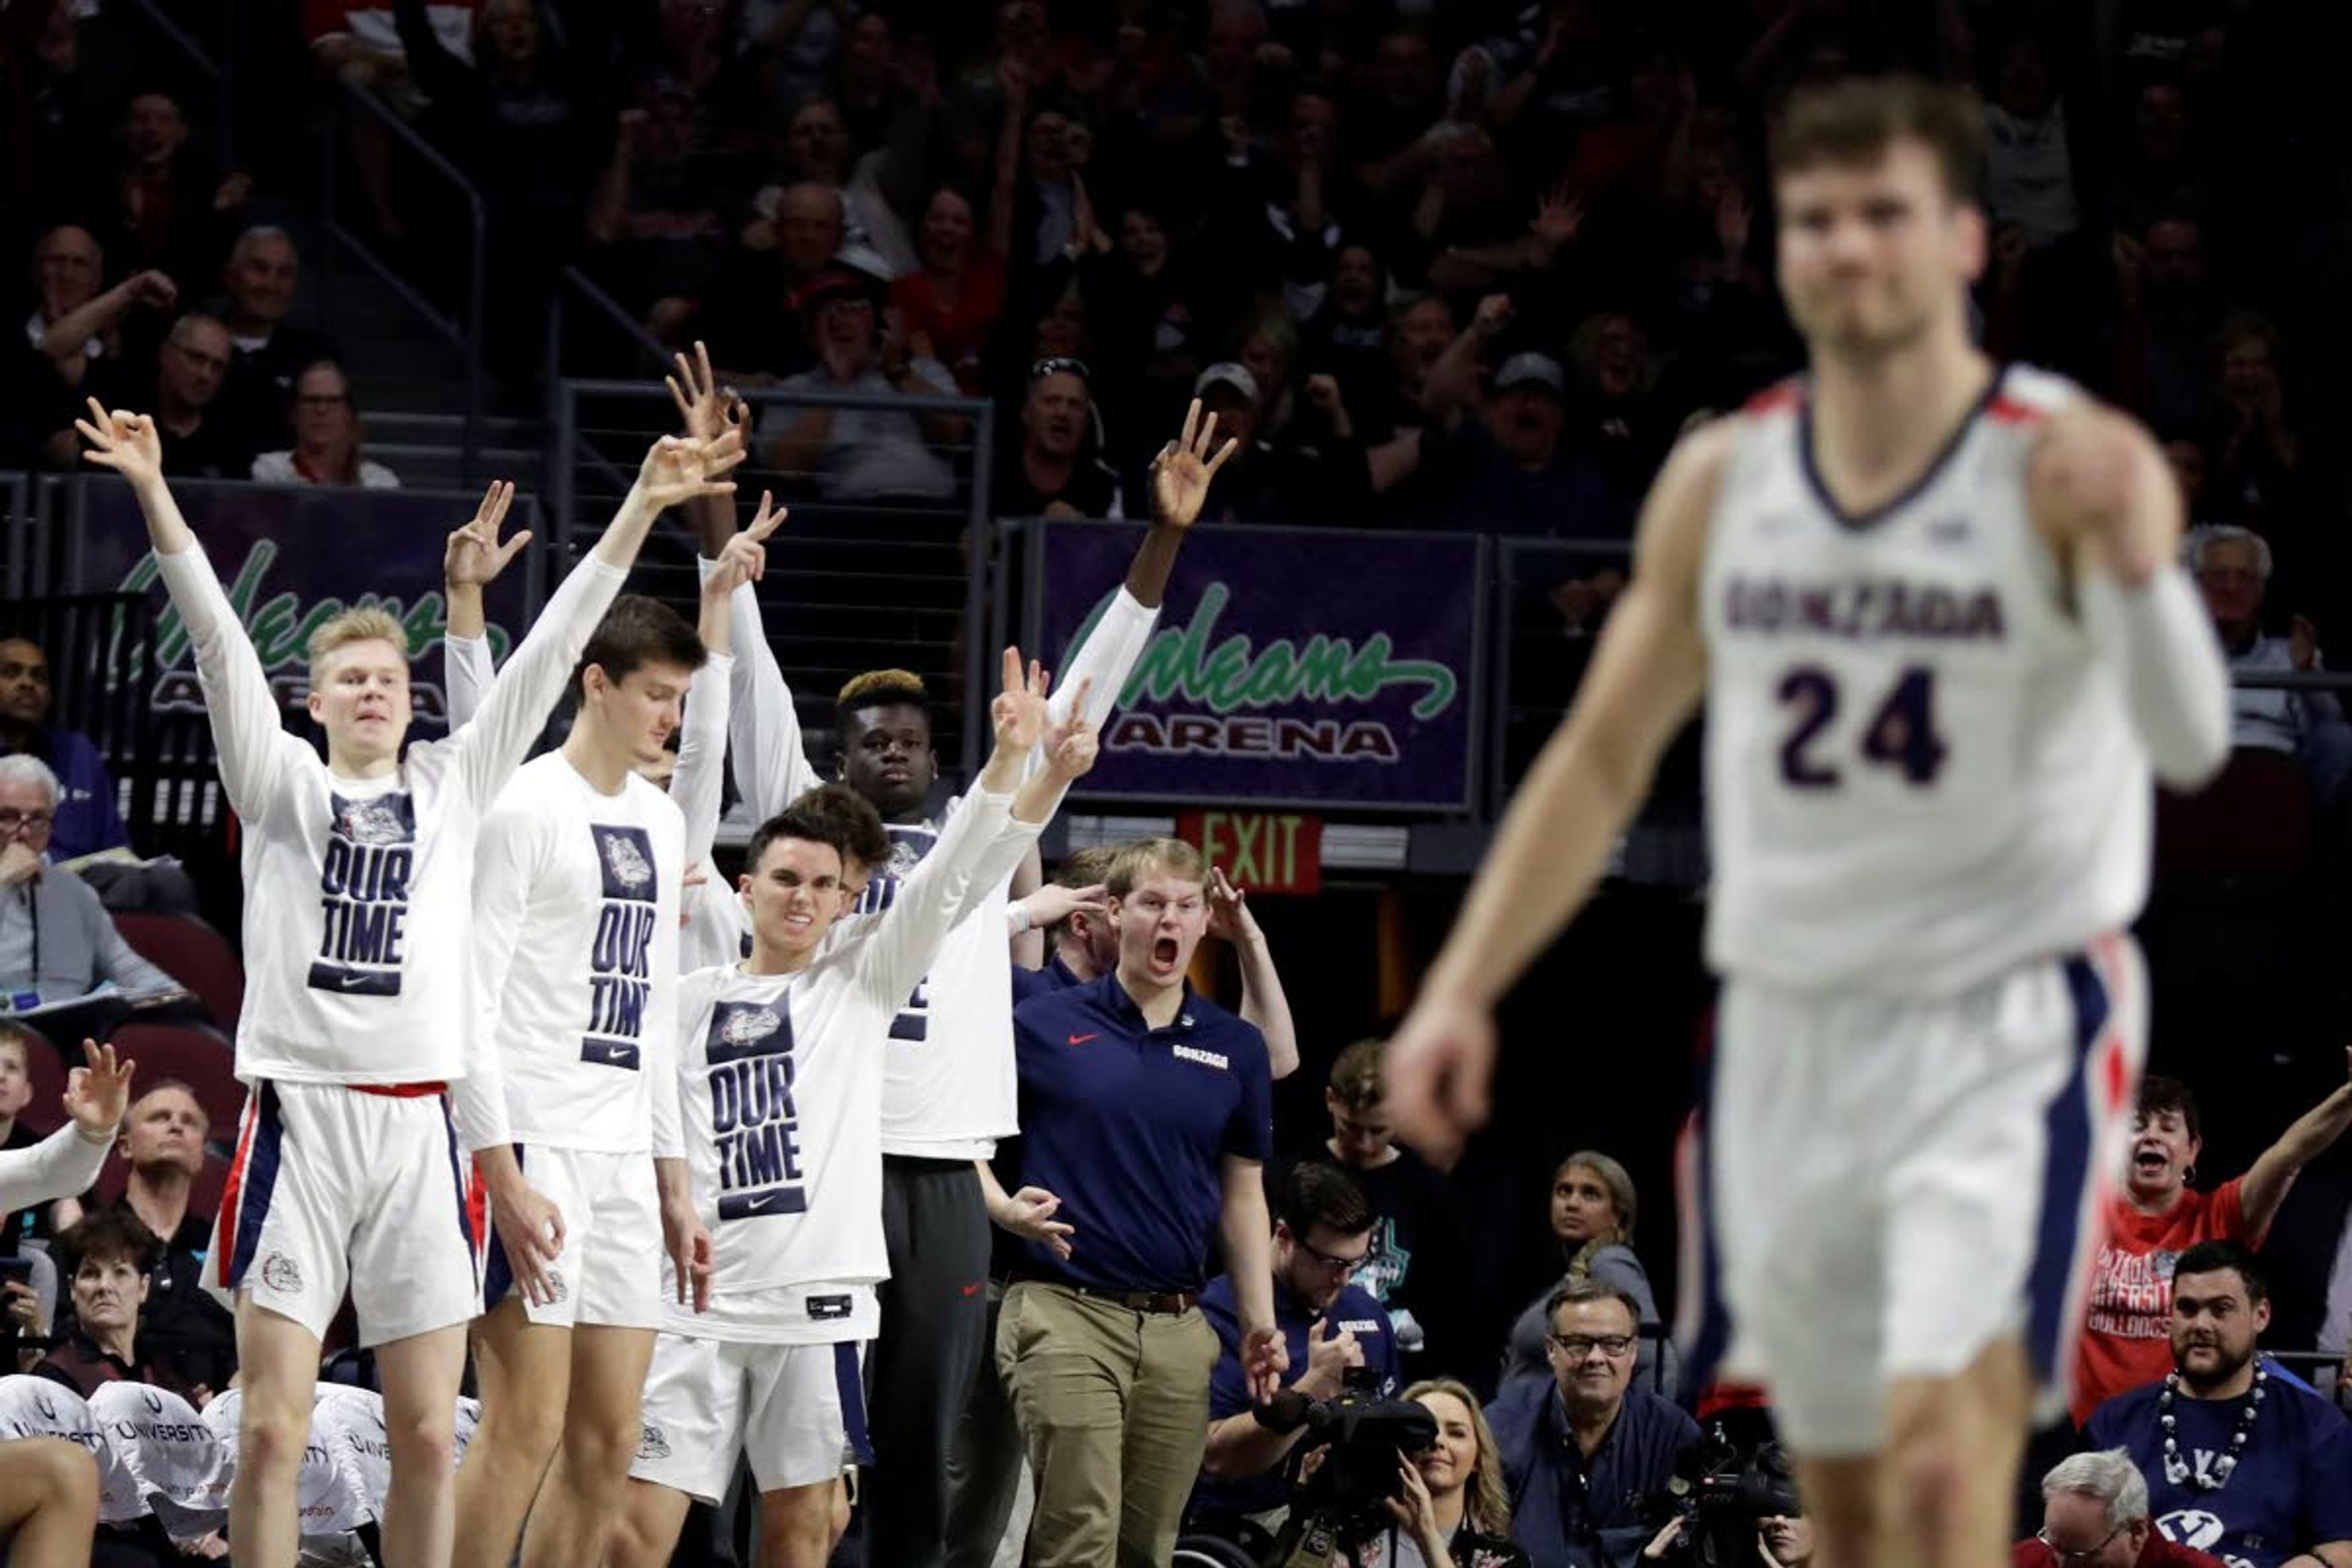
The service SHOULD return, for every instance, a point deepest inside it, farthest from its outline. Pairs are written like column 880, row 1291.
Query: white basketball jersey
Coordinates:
column 1919, row 771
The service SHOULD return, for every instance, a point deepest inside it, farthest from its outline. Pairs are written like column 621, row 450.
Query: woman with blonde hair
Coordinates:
column 1454, row 1510
column 1593, row 1207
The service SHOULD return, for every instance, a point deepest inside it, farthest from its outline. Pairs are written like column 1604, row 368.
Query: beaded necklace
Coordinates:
column 2177, row 1469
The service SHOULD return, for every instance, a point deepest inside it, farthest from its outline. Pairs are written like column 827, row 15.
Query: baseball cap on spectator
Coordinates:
column 838, row 283
column 1522, row 368
column 1225, row 373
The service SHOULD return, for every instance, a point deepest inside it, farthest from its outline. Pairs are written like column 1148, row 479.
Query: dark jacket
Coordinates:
column 1569, row 1511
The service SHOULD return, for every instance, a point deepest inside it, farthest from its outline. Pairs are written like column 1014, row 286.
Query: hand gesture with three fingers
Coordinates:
column 707, row 407
column 678, row 470
column 1229, row 915
column 473, row 557
column 124, row 441
column 1018, row 715
column 1071, row 745
column 97, row 1095
column 1182, row 472
column 744, row 558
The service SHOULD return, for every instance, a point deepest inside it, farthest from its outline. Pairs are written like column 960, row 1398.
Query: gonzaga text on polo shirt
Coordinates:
column 1127, row 1124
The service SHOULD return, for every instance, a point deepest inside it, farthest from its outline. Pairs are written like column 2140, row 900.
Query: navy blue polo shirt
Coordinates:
column 1353, row 1309
column 1055, row 976
column 1128, row 1125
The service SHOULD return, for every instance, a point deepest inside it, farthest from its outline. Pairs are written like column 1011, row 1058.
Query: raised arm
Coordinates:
column 2265, row 1186
column 1107, row 650
column 1263, row 1002
column 1648, row 671
column 982, row 839
column 471, row 561
column 102, row 312
column 2102, row 495
column 67, row 1162
column 702, row 738
column 763, row 728
column 248, row 735
column 493, row 746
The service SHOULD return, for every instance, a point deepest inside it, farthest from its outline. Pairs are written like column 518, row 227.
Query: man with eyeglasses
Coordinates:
column 1336, row 1334
column 57, row 943
column 1049, row 475
column 1587, row 1455
column 86, row 820
column 2095, row 1515
column 198, row 443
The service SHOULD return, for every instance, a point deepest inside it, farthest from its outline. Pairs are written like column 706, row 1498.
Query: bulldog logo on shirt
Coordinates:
column 279, row 1273
column 624, row 862
column 741, row 1025
column 379, row 821
column 652, row 1445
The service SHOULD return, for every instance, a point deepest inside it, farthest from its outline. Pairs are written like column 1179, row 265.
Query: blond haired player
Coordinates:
column 358, row 943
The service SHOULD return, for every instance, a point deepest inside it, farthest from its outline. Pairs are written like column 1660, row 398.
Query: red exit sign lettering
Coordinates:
column 1262, row 852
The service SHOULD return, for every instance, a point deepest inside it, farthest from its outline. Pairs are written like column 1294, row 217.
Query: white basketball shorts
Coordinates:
column 796, row 1412
column 609, row 1274
column 334, row 1186
column 1895, row 1187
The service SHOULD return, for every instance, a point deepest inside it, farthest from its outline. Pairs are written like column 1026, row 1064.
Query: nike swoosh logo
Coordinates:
column 348, row 981
column 1081, row 1039
column 754, row 1205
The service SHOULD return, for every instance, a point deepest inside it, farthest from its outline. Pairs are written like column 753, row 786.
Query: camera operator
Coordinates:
column 1783, row 1538
column 1586, row 1452
column 1333, row 1329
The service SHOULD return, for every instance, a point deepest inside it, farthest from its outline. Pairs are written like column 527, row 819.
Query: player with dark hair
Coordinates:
column 781, row 1083
column 949, row 1087
column 1935, row 608
column 359, row 944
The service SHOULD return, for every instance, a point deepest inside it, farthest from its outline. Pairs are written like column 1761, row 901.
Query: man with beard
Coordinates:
column 2156, row 1218
column 1051, row 475
column 2239, row 1461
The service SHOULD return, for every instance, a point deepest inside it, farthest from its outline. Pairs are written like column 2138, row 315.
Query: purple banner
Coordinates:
column 1306, row 667
column 291, row 558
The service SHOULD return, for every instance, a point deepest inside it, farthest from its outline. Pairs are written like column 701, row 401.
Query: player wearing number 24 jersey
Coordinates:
column 1936, row 611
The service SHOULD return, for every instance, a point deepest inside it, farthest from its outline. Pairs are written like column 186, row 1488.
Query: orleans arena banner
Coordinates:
column 293, row 558
column 1310, row 667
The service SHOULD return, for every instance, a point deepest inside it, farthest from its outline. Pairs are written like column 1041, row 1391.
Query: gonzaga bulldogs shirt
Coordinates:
column 358, row 908
column 779, row 1090
column 576, row 911
column 950, row 1090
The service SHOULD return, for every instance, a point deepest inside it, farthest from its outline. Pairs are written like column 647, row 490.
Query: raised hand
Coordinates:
column 704, row 405
column 1558, row 216
column 677, row 469
column 1437, row 1072
column 473, row 557
column 744, row 558
column 97, row 1095
column 1182, row 472
column 124, row 441
column 1229, row 915
column 1019, row 715
column 1073, row 739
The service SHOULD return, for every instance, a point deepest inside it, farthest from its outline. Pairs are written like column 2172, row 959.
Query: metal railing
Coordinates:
column 18, row 538
column 466, row 336
column 851, row 584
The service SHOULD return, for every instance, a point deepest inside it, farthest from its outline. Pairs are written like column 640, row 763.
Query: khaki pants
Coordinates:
column 1114, row 1406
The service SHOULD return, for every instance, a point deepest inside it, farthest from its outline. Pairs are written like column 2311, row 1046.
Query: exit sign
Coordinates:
column 1259, row 851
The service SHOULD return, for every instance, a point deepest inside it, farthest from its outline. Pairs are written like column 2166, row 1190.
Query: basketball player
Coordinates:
column 358, row 939
column 1937, row 608
column 713, row 931
column 781, row 1092
column 576, row 904
column 948, row 1091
